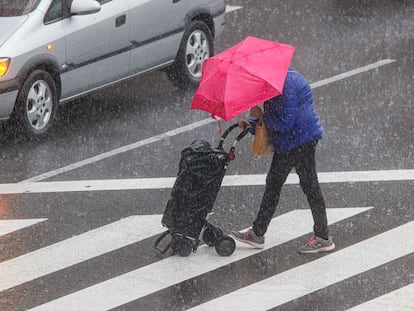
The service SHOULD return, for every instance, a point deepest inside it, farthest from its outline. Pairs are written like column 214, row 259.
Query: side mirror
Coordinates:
column 84, row 7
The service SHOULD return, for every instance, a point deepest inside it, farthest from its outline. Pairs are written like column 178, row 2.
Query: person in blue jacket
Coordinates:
column 295, row 129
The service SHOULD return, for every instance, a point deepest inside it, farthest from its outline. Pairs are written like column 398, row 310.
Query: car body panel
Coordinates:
column 22, row 48
column 123, row 39
column 9, row 25
column 156, row 38
column 98, row 59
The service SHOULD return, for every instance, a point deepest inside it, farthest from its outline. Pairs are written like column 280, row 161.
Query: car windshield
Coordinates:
column 17, row 7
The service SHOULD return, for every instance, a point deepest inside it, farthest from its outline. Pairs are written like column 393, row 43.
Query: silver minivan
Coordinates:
column 53, row 51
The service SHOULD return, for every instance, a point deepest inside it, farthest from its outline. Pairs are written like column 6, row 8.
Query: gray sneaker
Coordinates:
column 317, row 245
column 248, row 237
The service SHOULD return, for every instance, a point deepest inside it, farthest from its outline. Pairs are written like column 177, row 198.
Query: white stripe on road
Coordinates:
column 326, row 177
column 10, row 225
column 231, row 8
column 168, row 182
column 79, row 248
column 401, row 299
column 352, row 73
column 320, row 273
column 120, row 150
column 173, row 270
column 187, row 128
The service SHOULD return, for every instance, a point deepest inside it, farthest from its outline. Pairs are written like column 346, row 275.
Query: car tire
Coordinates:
column 196, row 45
column 36, row 105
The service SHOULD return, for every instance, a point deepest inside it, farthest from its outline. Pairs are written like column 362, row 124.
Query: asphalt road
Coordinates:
column 80, row 211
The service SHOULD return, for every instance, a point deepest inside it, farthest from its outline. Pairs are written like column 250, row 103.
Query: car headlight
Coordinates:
column 4, row 65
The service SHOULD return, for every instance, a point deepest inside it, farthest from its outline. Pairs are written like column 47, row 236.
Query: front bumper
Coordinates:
column 7, row 101
column 8, row 95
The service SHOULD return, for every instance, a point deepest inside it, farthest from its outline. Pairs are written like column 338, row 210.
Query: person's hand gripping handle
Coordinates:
column 256, row 112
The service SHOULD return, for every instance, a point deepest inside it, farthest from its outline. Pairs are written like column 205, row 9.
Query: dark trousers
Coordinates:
column 302, row 159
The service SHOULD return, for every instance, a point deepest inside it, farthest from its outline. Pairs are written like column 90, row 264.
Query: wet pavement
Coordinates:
column 96, row 189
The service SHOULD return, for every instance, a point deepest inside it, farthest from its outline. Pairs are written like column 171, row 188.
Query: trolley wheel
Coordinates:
column 185, row 247
column 225, row 246
column 211, row 235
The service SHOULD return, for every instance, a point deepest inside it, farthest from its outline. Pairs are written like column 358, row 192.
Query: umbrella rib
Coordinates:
column 254, row 74
column 247, row 71
column 250, row 54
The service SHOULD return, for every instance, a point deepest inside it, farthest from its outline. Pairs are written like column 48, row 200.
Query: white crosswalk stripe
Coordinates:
column 168, row 182
column 10, row 225
column 401, row 299
column 162, row 274
column 318, row 274
column 77, row 249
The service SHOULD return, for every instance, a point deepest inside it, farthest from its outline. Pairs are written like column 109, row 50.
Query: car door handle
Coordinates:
column 120, row 20
column 175, row 1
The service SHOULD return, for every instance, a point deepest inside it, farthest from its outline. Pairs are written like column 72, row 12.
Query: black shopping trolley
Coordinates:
column 201, row 172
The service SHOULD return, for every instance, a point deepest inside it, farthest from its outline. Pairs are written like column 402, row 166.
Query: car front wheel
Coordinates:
column 36, row 104
column 195, row 47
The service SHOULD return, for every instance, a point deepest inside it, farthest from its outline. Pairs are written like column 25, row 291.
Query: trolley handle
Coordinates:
column 233, row 146
column 227, row 132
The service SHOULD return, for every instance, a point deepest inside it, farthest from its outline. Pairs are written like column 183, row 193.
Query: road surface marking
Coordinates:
column 401, row 299
column 10, row 225
column 352, row 72
column 231, row 8
column 186, row 128
column 169, row 271
column 318, row 274
column 168, row 182
column 120, row 150
column 79, row 248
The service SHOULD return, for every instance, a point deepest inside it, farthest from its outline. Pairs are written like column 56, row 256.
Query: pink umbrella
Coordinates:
column 242, row 77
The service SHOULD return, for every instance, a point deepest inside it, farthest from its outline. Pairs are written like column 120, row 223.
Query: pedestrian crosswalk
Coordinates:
column 305, row 279
column 401, row 299
column 138, row 288
column 77, row 249
column 10, row 225
column 173, row 270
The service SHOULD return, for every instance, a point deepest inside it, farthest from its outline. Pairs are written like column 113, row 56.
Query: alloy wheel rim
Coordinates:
column 39, row 105
column 197, row 51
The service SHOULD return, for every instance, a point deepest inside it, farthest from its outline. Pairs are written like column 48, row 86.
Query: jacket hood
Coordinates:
column 8, row 26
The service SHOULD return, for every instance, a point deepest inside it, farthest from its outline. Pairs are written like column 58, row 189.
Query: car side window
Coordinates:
column 55, row 12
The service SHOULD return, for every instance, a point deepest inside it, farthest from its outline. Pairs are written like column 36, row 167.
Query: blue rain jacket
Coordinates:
column 291, row 118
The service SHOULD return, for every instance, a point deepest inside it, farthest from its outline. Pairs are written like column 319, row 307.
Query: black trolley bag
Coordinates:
column 201, row 172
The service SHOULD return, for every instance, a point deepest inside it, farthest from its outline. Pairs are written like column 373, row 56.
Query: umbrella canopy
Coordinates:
column 242, row 77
